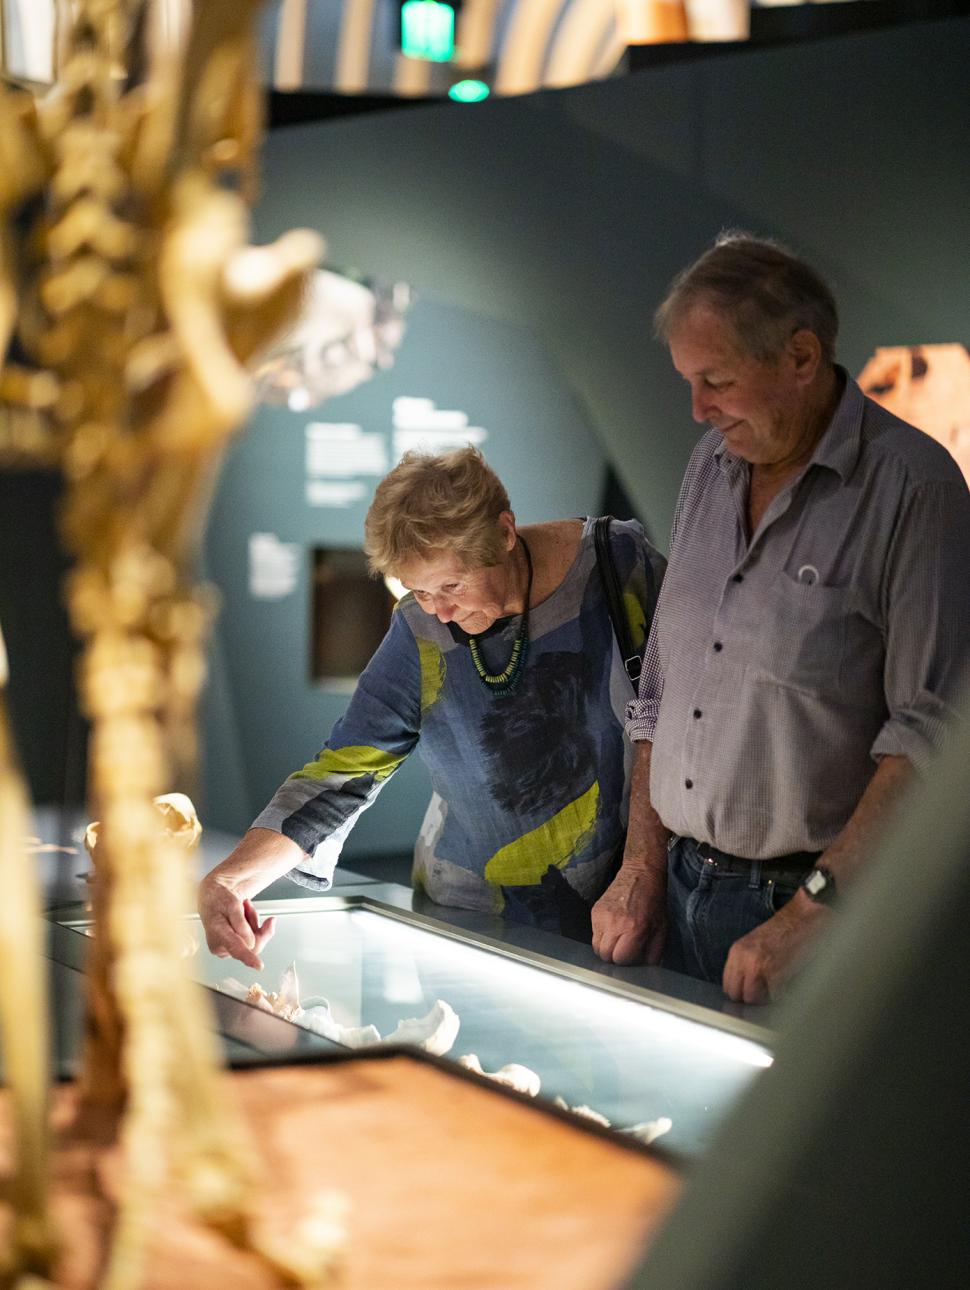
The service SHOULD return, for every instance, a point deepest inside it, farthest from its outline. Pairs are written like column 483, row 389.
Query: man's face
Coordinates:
column 757, row 406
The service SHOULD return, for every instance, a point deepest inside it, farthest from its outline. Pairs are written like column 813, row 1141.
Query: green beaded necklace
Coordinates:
column 504, row 682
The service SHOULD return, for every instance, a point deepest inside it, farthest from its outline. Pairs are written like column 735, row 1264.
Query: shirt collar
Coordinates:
column 840, row 445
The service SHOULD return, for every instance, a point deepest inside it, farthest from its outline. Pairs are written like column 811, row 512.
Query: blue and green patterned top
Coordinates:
column 522, row 783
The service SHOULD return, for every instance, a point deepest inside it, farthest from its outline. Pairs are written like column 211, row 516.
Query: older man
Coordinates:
column 812, row 629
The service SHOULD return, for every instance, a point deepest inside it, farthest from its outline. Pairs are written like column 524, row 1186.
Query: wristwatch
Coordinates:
column 819, row 885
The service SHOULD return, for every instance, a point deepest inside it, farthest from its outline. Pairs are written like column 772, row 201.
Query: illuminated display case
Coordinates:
column 596, row 1041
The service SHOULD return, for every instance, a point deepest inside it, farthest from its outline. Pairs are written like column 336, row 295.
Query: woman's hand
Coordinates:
column 232, row 926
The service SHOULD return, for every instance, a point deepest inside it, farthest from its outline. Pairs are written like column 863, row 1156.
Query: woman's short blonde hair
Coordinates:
column 429, row 504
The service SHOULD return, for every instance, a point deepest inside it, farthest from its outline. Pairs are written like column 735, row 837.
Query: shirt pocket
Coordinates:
column 800, row 638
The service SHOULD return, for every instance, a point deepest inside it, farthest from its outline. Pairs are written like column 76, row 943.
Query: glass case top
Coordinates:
column 364, row 975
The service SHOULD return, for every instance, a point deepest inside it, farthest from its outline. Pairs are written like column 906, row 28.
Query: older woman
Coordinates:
column 500, row 666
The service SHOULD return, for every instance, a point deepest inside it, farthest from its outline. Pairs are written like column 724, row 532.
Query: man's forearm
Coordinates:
column 646, row 841
column 865, row 827
column 262, row 856
column 629, row 919
column 760, row 962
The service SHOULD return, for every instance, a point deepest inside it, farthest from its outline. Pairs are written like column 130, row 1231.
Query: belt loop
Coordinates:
column 754, row 882
column 705, row 879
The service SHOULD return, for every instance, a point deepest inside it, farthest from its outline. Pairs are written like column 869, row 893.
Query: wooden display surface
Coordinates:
column 450, row 1184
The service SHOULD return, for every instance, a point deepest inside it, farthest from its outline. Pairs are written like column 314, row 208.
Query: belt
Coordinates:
column 795, row 865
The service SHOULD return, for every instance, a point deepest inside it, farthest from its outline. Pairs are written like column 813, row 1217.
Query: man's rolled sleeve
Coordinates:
column 641, row 719
column 642, row 712
column 916, row 732
column 927, row 608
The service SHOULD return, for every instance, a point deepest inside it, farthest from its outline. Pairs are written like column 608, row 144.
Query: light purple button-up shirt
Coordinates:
column 779, row 671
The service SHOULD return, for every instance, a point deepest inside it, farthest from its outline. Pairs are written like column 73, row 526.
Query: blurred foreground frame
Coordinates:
column 130, row 304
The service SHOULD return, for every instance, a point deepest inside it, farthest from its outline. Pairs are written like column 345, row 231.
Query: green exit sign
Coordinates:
column 428, row 30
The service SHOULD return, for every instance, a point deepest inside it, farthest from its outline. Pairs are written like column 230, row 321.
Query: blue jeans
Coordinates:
column 708, row 911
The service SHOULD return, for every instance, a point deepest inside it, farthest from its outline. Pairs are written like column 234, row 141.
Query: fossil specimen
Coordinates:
column 512, row 1075
column 435, row 1032
column 130, row 304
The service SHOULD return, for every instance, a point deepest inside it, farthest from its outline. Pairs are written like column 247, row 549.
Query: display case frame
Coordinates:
column 633, row 1045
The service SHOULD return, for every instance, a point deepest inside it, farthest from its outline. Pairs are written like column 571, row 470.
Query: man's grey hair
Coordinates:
column 764, row 291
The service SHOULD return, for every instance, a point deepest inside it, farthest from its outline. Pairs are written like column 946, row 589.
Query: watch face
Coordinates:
column 815, row 883
column 820, row 885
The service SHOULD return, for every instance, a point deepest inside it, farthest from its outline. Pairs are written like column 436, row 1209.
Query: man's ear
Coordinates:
column 805, row 351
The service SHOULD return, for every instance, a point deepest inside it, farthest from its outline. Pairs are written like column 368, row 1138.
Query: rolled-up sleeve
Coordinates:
column 642, row 712
column 926, row 593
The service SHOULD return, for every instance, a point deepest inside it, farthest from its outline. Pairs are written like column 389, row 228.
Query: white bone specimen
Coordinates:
column 646, row 1132
column 181, row 819
column 288, row 995
column 180, row 822
column 650, row 1130
column 321, row 1020
column 435, row 1032
column 285, row 1002
column 585, row 1112
column 521, row 1078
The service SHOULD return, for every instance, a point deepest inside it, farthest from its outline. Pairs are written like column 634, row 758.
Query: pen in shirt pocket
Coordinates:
column 808, row 574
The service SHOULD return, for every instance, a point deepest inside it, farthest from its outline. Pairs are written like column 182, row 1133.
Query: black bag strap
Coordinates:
column 614, row 597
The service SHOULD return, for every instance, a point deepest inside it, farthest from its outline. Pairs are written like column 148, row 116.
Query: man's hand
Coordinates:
column 760, row 963
column 630, row 918
column 232, row 926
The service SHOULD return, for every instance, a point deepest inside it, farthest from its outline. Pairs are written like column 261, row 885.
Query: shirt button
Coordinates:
column 697, row 714
column 688, row 783
column 718, row 647
column 738, row 577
